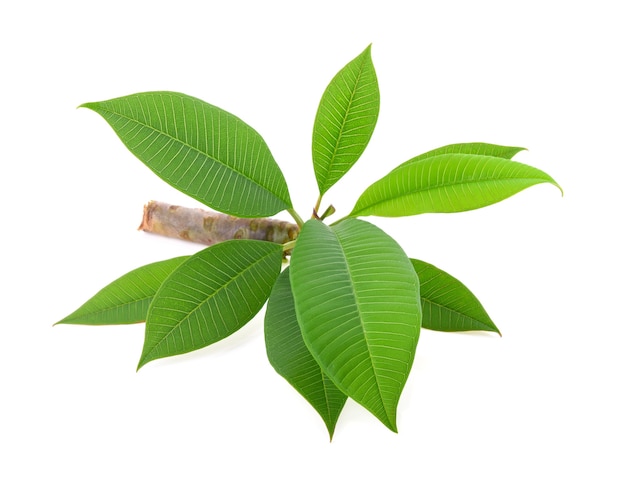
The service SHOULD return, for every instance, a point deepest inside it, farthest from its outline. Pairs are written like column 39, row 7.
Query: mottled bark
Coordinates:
column 207, row 227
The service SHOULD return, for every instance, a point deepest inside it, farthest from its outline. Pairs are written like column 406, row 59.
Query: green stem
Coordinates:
column 328, row 212
column 318, row 203
column 289, row 245
column 296, row 217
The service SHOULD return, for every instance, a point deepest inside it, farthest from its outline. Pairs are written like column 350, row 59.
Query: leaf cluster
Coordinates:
column 343, row 318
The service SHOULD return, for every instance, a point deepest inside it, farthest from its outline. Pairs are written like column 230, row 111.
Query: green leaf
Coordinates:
column 210, row 296
column 449, row 182
column 291, row 359
column 471, row 149
column 201, row 150
column 345, row 120
column 126, row 299
column 357, row 300
column 447, row 304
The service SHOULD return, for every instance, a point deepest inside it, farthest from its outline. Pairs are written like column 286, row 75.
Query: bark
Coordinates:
column 207, row 227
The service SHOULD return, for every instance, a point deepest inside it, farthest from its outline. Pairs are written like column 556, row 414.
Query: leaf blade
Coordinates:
column 452, row 182
column 475, row 148
column 291, row 359
column 447, row 304
column 357, row 301
column 125, row 300
column 345, row 120
column 201, row 150
column 210, row 296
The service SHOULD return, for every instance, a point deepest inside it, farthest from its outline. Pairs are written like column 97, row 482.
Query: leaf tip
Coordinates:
column 65, row 321
column 390, row 421
column 330, row 426
column 551, row 181
column 560, row 188
column 494, row 328
column 142, row 361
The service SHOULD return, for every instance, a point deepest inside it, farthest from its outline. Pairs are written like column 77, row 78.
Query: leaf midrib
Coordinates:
column 367, row 343
column 118, row 306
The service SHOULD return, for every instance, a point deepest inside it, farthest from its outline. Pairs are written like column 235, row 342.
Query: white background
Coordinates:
column 543, row 404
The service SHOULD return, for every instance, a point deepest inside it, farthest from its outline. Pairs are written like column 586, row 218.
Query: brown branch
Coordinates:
column 207, row 227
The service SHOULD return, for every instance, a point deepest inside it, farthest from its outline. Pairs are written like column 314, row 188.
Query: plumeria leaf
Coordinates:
column 210, row 296
column 345, row 120
column 357, row 301
column 290, row 357
column 447, row 182
column 447, row 304
column 126, row 299
column 471, row 149
column 201, row 150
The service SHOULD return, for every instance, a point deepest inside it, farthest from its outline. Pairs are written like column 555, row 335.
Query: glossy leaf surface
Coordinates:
column 345, row 120
column 210, row 296
column 291, row 358
column 447, row 304
column 201, row 150
column 125, row 300
column 357, row 300
column 449, row 182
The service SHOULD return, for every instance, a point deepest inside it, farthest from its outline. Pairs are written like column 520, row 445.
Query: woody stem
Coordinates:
column 207, row 227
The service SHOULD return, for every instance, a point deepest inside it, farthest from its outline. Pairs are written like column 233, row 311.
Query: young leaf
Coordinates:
column 470, row 149
column 210, row 296
column 290, row 357
column 451, row 182
column 447, row 304
column 126, row 299
column 345, row 120
column 357, row 300
column 201, row 150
